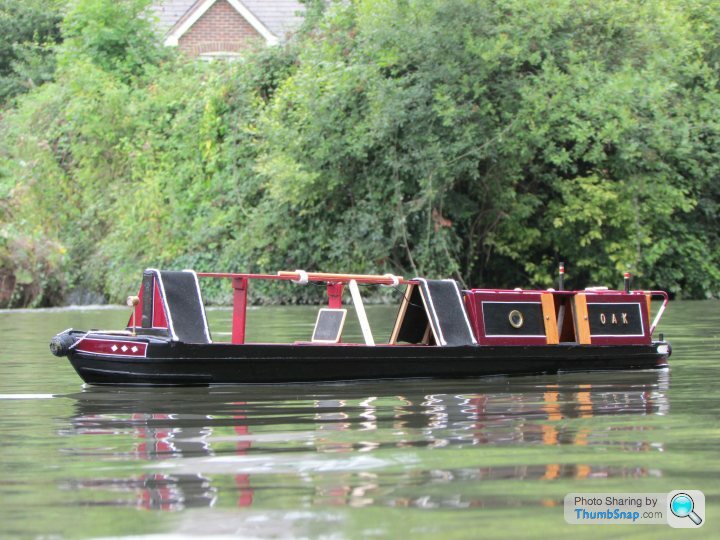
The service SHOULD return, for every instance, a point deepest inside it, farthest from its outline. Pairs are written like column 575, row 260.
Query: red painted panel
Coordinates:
column 335, row 292
column 471, row 311
column 109, row 347
column 159, row 317
column 636, row 303
column 475, row 299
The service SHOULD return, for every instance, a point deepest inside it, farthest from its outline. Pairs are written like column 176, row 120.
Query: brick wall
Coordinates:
column 220, row 29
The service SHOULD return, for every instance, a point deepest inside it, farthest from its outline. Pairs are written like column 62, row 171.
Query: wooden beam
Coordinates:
column 580, row 317
column 360, row 312
column 548, row 309
column 401, row 314
column 342, row 278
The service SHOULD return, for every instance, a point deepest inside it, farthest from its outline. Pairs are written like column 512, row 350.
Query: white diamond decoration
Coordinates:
column 124, row 348
column 114, row 348
column 134, row 348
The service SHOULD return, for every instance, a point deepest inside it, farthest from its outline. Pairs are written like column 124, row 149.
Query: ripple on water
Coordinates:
column 343, row 460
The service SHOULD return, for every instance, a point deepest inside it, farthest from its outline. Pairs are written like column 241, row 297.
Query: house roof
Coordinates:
column 273, row 19
column 280, row 16
column 170, row 11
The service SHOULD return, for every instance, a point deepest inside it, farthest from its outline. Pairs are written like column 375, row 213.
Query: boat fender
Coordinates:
column 61, row 344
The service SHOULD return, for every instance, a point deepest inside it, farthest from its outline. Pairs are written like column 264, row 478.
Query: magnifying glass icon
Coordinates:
column 682, row 506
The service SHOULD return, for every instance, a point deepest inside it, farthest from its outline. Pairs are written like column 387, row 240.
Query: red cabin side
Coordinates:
column 504, row 317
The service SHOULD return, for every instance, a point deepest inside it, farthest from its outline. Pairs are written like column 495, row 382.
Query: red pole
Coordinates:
column 239, row 309
column 334, row 291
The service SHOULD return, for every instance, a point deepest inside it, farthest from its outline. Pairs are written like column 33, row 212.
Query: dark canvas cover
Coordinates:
column 147, row 299
column 446, row 311
column 184, row 306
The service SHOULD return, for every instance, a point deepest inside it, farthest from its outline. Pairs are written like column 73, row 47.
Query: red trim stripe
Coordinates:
column 108, row 347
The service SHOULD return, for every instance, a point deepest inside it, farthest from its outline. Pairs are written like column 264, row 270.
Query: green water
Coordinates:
column 422, row 459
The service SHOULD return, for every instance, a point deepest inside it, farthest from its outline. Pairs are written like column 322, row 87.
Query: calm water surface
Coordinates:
column 393, row 459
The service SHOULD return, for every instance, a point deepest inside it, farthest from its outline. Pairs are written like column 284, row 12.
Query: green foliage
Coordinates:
column 137, row 172
column 495, row 145
column 117, row 36
column 483, row 140
column 29, row 29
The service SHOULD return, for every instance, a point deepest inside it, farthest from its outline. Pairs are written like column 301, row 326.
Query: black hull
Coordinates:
column 178, row 364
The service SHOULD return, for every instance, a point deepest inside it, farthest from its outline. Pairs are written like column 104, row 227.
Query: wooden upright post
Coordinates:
column 240, row 286
column 549, row 318
column 580, row 315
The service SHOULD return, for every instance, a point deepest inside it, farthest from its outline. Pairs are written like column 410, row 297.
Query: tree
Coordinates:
column 483, row 140
column 492, row 140
column 117, row 36
column 29, row 30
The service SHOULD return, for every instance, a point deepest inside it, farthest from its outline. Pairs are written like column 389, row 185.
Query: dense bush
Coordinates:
column 28, row 31
column 496, row 145
column 484, row 140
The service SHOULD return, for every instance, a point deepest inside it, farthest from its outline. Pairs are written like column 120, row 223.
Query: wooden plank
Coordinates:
column 426, row 336
column 312, row 276
column 342, row 278
column 580, row 317
column 548, row 308
column 401, row 314
column 648, row 299
column 360, row 312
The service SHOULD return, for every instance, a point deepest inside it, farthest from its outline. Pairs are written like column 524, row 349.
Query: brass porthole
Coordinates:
column 516, row 318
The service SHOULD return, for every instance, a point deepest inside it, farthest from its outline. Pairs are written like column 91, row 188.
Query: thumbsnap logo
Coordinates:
column 681, row 508
column 687, row 508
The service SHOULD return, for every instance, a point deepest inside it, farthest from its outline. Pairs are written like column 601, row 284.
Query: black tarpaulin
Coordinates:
column 184, row 306
column 438, row 303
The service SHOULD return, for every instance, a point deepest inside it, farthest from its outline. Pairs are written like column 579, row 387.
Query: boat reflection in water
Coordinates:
column 358, row 444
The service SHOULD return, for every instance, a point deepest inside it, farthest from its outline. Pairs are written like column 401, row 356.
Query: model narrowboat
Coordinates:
column 441, row 331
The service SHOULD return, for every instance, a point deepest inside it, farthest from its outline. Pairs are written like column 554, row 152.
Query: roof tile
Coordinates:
column 278, row 16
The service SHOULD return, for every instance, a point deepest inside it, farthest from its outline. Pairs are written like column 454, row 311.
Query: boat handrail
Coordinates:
column 522, row 291
column 658, row 316
column 651, row 294
column 335, row 284
column 297, row 275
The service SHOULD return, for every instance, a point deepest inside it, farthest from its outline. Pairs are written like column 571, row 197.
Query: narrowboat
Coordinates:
column 440, row 331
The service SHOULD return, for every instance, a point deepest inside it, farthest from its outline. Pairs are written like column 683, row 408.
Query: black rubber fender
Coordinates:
column 61, row 343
